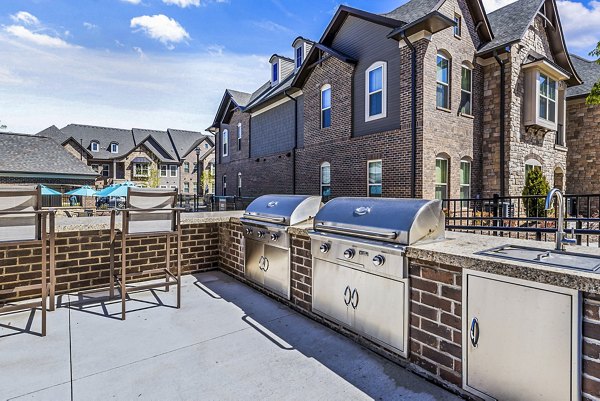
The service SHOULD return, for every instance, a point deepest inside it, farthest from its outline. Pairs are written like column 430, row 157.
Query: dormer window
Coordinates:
column 114, row 147
column 95, row 146
column 547, row 98
column 275, row 73
column 544, row 100
column 299, row 56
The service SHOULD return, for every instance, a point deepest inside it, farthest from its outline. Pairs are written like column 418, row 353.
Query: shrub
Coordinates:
column 535, row 184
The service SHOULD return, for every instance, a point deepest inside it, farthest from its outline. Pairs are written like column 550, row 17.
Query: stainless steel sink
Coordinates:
column 565, row 260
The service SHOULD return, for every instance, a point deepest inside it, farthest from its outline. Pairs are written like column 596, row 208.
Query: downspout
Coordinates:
column 502, row 121
column 295, row 141
column 413, row 115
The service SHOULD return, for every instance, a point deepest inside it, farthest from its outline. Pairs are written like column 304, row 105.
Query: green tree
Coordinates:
column 208, row 179
column 153, row 179
column 594, row 96
column 535, row 184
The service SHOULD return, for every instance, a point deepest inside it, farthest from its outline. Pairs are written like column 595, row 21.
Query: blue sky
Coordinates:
column 165, row 63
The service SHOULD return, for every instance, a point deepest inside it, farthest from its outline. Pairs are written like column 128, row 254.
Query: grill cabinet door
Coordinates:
column 254, row 257
column 526, row 336
column 381, row 308
column 330, row 294
column 277, row 274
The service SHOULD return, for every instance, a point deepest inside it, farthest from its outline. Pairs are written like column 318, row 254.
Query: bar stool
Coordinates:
column 23, row 222
column 148, row 213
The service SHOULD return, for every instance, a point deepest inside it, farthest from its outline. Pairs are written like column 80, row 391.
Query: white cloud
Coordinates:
column 132, row 1
column 90, row 26
column 162, row 28
column 38, row 38
column 271, row 26
column 24, row 17
column 183, row 3
column 580, row 24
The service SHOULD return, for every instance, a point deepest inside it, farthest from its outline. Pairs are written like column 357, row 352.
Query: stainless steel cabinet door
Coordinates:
column 332, row 291
column 254, row 258
column 381, row 310
column 277, row 270
column 520, row 339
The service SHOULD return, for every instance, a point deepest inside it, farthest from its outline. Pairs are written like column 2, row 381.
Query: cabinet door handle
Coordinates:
column 261, row 262
column 347, row 295
column 474, row 332
column 266, row 264
column 354, row 298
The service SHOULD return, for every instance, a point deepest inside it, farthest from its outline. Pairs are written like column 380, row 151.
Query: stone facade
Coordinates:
column 583, row 136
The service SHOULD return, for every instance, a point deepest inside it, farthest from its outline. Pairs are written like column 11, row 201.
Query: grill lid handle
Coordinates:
column 256, row 217
column 354, row 231
column 361, row 211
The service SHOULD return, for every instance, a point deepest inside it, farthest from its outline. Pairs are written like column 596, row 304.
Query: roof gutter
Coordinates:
column 502, row 64
column 413, row 114
column 285, row 92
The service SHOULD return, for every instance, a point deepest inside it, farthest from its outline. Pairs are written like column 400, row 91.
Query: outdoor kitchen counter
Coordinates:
column 460, row 250
column 64, row 224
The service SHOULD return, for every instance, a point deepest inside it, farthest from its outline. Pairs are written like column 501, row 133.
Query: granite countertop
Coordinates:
column 66, row 224
column 461, row 249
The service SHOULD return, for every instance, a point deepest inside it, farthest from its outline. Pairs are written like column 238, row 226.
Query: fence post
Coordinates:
column 495, row 212
column 578, row 226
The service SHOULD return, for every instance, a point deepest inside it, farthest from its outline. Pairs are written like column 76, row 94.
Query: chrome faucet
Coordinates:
column 561, row 238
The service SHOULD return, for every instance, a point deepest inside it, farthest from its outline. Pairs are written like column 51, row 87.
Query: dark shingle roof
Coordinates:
column 54, row 133
column 157, row 141
column 412, row 10
column 589, row 71
column 510, row 23
column 38, row 154
column 104, row 135
column 186, row 141
column 240, row 98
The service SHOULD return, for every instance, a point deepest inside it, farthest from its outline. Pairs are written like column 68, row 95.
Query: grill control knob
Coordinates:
column 324, row 248
column 379, row 260
column 349, row 253
column 248, row 231
column 274, row 237
column 261, row 234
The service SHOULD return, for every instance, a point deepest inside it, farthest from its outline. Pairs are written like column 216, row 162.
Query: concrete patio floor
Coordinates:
column 228, row 342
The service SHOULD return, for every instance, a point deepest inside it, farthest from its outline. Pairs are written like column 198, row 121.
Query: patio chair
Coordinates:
column 22, row 222
column 148, row 213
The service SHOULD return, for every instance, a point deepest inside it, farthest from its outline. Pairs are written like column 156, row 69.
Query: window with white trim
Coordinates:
column 163, row 187
column 374, row 178
column 457, row 26
column 466, row 90
column 441, row 178
column 465, row 181
column 186, row 167
column 95, row 146
column 326, row 106
column 299, row 55
column 239, row 136
column 376, row 91
column 442, row 98
column 114, row 147
column 239, row 184
column 275, row 73
column 325, row 180
column 225, row 142
column 173, row 170
column 105, row 170
column 140, row 170
column 547, row 98
column 531, row 164
column 186, row 187
column 164, row 170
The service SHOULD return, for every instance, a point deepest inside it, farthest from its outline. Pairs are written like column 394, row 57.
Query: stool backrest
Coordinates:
column 20, row 226
column 151, row 221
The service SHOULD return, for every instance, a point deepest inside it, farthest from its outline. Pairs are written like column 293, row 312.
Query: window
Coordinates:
column 466, row 90
column 225, row 142
column 186, row 167
column 326, row 106
column 105, row 170
column 224, row 186
column 163, row 170
column 206, row 146
column 531, row 164
column 275, row 73
column 95, row 146
column 547, row 109
column 186, row 187
column 173, row 187
column 325, row 181
column 96, row 168
column 457, row 27
column 140, row 170
column 374, row 178
column 375, row 91
column 239, row 136
column 163, row 187
column 114, row 148
column 465, row 181
column 239, row 184
column 173, row 170
column 443, row 82
column 299, row 56
column 195, row 188
column 441, row 178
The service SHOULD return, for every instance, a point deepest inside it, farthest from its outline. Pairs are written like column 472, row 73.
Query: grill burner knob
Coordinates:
column 349, row 253
column 324, row 248
column 248, row 231
column 378, row 260
column 274, row 237
column 261, row 234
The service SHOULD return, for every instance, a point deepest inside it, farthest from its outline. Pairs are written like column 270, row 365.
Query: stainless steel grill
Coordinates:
column 267, row 241
column 360, row 277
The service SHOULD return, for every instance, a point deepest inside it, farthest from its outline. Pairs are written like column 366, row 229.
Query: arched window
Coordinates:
column 465, row 180
column 239, row 184
column 374, row 178
column 325, row 181
column 441, row 177
column 239, row 136
column 225, row 142
column 531, row 164
column 326, row 106
column 466, row 89
column 442, row 99
column 376, row 91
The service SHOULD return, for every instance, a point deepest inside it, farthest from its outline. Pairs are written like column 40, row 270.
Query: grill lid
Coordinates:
column 401, row 221
column 286, row 210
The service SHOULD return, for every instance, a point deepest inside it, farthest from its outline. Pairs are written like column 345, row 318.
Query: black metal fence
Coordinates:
column 211, row 203
column 524, row 217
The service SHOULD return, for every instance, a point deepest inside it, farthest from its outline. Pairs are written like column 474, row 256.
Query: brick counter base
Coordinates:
column 591, row 347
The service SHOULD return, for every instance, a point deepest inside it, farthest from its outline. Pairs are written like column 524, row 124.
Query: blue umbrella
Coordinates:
column 105, row 191
column 121, row 190
column 83, row 191
column 49, row 191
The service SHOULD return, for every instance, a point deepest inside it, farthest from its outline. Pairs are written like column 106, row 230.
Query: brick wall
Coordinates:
column 83, row 258
column 591, row 347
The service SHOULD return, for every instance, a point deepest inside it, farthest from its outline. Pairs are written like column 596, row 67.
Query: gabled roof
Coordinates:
column 412, row 10
column 158, row 142
column 313, row 58
column 589, row 71
column 186, row 141
column 85, row 134
column 241, row 99
column 39, row 155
